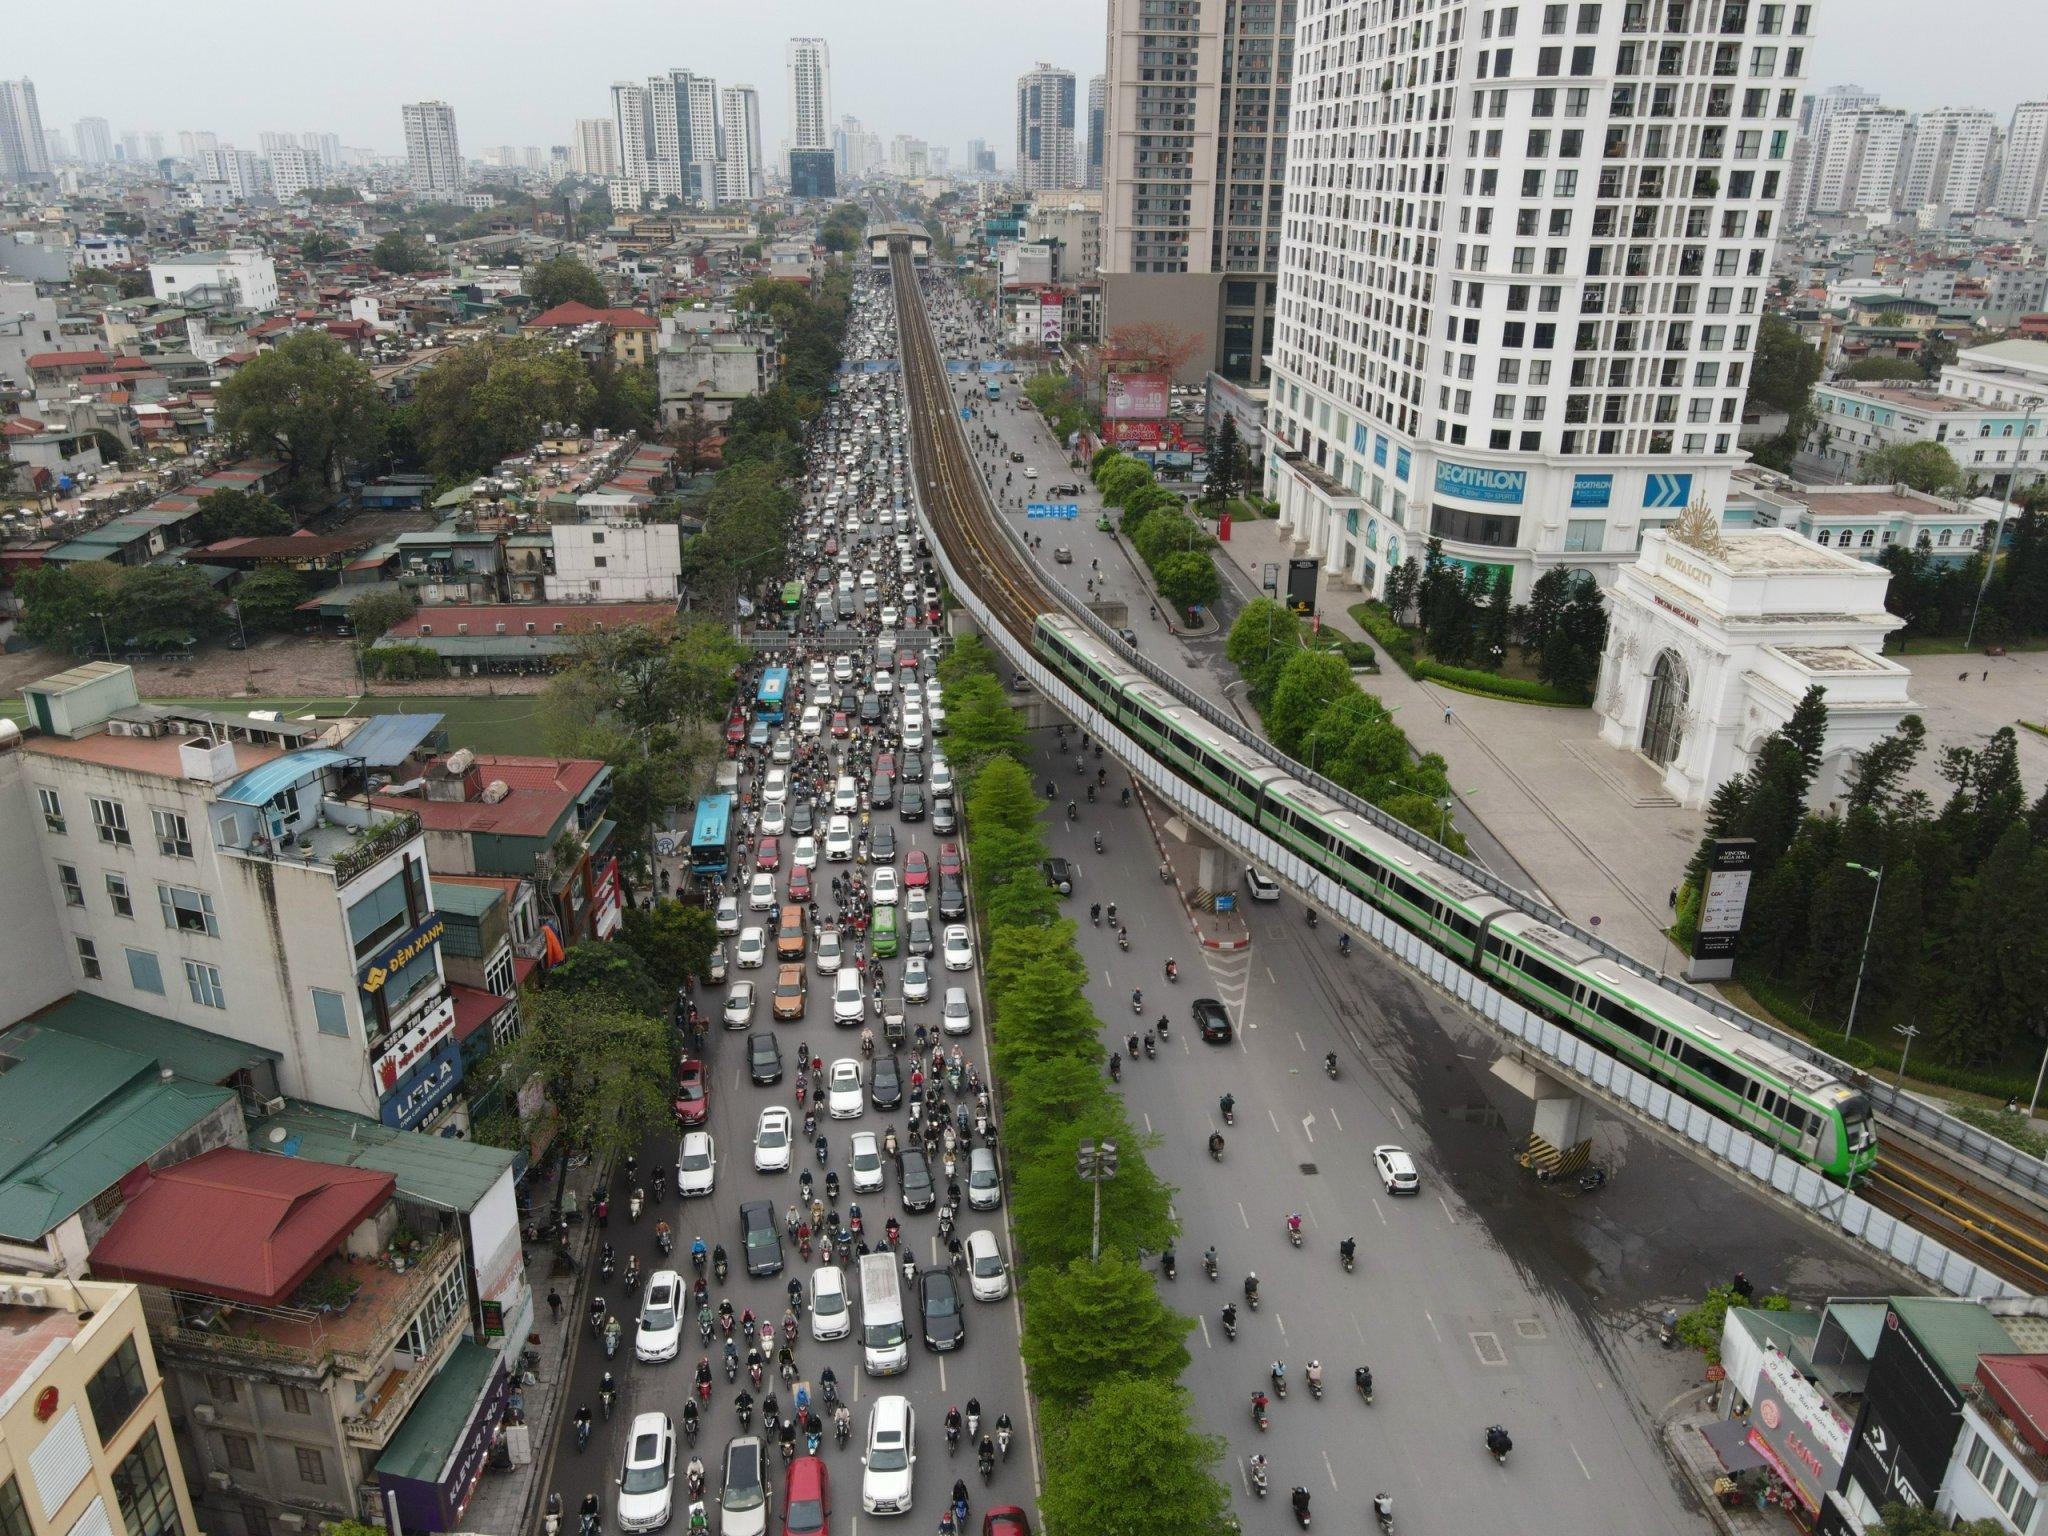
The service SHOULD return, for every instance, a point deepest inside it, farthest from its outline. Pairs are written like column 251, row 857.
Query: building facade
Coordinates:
column 1949, row 162
column 741, row 173
column 1098, row 88
column 1045, row 129
column 433, row 151
column 1856, row 162
column 240, row 278
column 1524, row 262
column 810, row 173
column 594, row 152
column 24, row 152
column 808, row 65
column 2023, row 166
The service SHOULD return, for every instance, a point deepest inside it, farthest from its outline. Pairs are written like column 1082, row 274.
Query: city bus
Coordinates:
column 708, row 833
column 768, row 702
column 995, row 389
column 792, row 595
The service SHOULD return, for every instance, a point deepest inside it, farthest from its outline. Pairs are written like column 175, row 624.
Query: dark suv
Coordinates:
column 764, row 1059
column 759, row 1239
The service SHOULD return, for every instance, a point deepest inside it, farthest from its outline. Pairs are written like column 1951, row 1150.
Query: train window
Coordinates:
column 1549, row 975
column 1496, row 946
column 1461, row 924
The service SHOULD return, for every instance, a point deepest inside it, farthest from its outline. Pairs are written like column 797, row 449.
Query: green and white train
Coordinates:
column 1768, row 1092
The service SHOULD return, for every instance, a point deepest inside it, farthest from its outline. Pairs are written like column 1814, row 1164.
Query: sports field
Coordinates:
column 504, row 723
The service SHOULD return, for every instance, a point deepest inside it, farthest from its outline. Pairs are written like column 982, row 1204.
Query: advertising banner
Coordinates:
column 1793, row 1428
column 1129, row 395
column 1471, row 482
column 1301, row 584
column 1729, row 871
column 1132, row 433
column 1592, row 490
column 1051, row 323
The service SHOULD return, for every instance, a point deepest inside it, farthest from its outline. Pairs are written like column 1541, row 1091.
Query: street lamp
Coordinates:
column 1095, row 1163
column 1877, row 890
column 1910, row 1032
column 2034, row 403
column 106, row 645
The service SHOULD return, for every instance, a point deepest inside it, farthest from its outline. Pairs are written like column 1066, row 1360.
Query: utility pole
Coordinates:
column 1856, row 996
column 1096, row 1163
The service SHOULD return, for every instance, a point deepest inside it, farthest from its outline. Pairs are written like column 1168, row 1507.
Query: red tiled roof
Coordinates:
column 540, row 792
column 474, row 1008
column 238, row 1225
column 69, row 359
column 290, row 546
column 483, row 618
column 573, row 313
column 22, row 426
column 2019, row 1385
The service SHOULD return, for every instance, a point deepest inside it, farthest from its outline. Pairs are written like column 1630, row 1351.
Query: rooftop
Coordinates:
column 2018, row 1384
column 140, row 754
column 433, row 1171
column 1747, row 550
column 29, row 1338
column 540, row 792
column 196, row 1055
column 1865, row 500
column 1899, row 394
column 1957, row 1333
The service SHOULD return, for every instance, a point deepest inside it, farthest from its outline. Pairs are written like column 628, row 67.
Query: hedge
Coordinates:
column 1374, row 619
column 403, row 662
column 1521, row 690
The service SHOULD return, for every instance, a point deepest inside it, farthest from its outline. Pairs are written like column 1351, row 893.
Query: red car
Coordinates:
column 839, row 725
column 693, row 1107
column 1006, row 1520
column 885, row 764
column 807, row 1498
column 769, row 855
column 949, row 859
column 800, row 884
column 736, row 730
column 916, row 872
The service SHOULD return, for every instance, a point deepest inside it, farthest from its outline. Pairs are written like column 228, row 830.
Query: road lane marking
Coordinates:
column 1308, row 1126
column 1270, row 977
column 1280, row 1323
column 1242, row 1217
column 1148, row 1125
column 1440, row 1200
column 1275, row 1119
column 1335, row 1121
column 1395, row 1111
column 1332, row 1471
column 1299, row 1042
column 1580, row 1460
column 1379, row 1211
column 1207, row 1342
column 1432, row 1325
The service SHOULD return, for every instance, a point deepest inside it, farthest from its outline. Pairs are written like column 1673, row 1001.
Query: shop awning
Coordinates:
column 1730, row 1440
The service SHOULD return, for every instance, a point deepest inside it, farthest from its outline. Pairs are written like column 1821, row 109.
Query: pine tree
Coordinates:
column 1807, row 730
column 1876, row 773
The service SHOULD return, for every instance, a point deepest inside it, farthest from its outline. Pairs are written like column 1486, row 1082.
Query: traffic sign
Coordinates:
column 1059, row 509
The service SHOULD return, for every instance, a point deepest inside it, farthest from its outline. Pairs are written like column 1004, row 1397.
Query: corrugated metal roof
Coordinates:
column 279, row 774
column 468, row 900
column 427, row 1440
column 197, row 1054
column 1955, row 1332
column 385, row 741
column 436, row 1171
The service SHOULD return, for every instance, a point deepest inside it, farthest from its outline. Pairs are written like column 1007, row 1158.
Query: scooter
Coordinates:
column 1667, row 1329
column 1258, row 1479
column 1330, row 1065
column 1294, row 1234
column 1315, row 1387
column 1279, row 1381
column 1209, row 1264
column 1383, row 1511
column 1259, row 1414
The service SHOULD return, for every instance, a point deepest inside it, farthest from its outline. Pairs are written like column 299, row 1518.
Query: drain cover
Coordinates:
column 1487, row 1347
column 1531, row 1328
column 1310, row 1169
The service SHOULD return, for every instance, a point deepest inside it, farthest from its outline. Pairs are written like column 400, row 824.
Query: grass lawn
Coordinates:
column 1952, row 645
column 504, row 723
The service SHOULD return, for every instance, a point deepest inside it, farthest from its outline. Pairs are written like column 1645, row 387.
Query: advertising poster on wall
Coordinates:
column 1134, row 396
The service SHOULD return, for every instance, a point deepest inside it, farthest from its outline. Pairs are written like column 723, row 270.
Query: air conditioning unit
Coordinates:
column 273, row 1106
column 6, row 1295
column 205, row 1413
column 292, row 1522
column 31, row 1296
column 220, row 1480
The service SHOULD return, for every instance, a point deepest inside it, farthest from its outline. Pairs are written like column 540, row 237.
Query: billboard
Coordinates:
column 1127, row 396
column 1472, row 482
column 1729, row 870
column 1301, row 584
column 1132, row 434
column 1793, row 1428
column 1051, row 321
column 1912, row 1416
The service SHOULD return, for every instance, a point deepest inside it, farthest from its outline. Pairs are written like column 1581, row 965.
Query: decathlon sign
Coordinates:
column 1469, row 482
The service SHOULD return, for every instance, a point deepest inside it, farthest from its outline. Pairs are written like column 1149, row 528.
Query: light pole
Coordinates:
column 1910, row 1032
column 2034, row 403
column 106, row 645
column 1095, row 1163
column 1877, row 890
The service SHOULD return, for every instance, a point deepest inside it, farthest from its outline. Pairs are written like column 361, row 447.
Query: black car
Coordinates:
column 938, row 1299
column 881, row 790
column 944, row 818
column 911, row 806
column 882, row 844
column 914, row 1178
column 1059, row 874
column 885, row 1083
column 843, row 605
column 849, row 701
column 1212, row 1023
column 952, row 897
column 870, row 708
column 913, row 767
column 802, row 820
column 759, row 1239
column 764, row 1059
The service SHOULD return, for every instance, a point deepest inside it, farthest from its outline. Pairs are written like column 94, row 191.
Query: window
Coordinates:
column 118, row 897
column 74, row 893
column 222, row 1389
column 88, row 958
column 241, row 1456
column 1585, row 533
column 311, row 1468
column 203, row 981
column 110, row 820
column 173, row 840
column 187, row 911
column 53, row 810
column 295, row 1400
column 330, row 1012
column 13, row 1512
column 144, row 974
column 448, row 1303
column 142, row 1485
column 116, row 1387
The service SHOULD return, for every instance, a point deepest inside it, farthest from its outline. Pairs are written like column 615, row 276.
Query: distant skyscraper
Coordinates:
column 699, row 101
column 95, row 140
column 131, row 147
column 292, row 171
column 594, row 151
column 56, row 144
column 153, row 146
column 633, row 131
column 741, row 171
column 2023, row 174
column 1856, row 161
column 811, row 173
column 1045, row 129
column 810, row 93
column 23, row 152
column 1097, row 89
column 433, row 153
column 1950, row 159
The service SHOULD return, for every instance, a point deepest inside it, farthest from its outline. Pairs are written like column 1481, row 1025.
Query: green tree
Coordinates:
column 74, row 606
column 1404, row 585
column 307, row 400
column 376, row 614
column 606, row 1063
column 403, row 251
column 623, row 398
column 561, row 280
column 1137, row 1209
column 163, row 606
column 268, row 599
column 319, row 245
column 1781, row 378
column 673, row 941
column 1880, row 370
column 1264, row 635
column 1188, row 580
column 1996, row 956
column 1131, row 1461
column 1093, row 1323
column 232, row 514
column 488, row 401
column 1924, row 466
column 1310, row 682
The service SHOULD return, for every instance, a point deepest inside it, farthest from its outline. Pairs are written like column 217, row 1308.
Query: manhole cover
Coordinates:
column 1487, row 1347
column 1530, row 1328
column 1310, row 1169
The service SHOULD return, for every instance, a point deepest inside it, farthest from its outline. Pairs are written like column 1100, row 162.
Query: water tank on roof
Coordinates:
column 206, row 761
column 10, row 735
column 460, row 762
column 495, row 791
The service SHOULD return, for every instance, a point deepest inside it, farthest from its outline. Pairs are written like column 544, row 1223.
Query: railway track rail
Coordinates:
column 2000, row 1232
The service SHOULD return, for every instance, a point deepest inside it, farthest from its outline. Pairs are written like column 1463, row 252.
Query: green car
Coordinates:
column 1102, row 523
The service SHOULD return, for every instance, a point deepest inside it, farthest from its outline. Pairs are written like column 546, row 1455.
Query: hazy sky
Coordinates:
column 520, row 71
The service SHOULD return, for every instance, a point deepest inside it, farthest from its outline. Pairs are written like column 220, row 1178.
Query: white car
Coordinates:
column 1397, row 1171
column 933, row 691
column 885, row 681
column 988, row 1277
column 782, row 749
column 752, row 950
column 889, row 1461
column 938, row 718
column 958, row 948
column 955, row 1017
column 916, row 904
column 727, row 920
column 941, row 776
column 842, row 1090
column 775, row 787
column 806, row 854
column 889, row 615
column 917, row 977
column 811, row 722
column 697, row 1164
column 771, row 1140
column 838, row 840
column 913, row 733
column 660, row 1333
column 819, row 674
column 885, row 887
column 842, row 668
column 865, row 1159
column 738, row 1012
column 848, row 1002
column 774, row 818
column 831, row 1317
column 1260, row 884
column 647, row 1480
column 761, row 895
column 827, row 952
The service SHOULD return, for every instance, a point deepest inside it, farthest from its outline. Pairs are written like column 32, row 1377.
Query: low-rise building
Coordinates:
column 618, row 559
column 238, row 279
column 629, row 332
column 481, row 638
column 1863, row 520
column 711, row 359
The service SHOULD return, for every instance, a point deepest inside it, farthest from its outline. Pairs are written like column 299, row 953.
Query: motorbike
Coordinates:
column 1167, row 1266
column 1667, row 1329
column 1312, row 918
column 1216, row 1152
column 1003, row 1440
column 611, row 1338
column 1592, row 1179
column 1172, row 971
column 1279, row 1378
column 590, row 1525
column 1383, row 1511
column 1137, row 1002
column 1330, row 1065
column 1294, row 1231
column 1098, row 836
column 1315, row 1386
column 636, row 1205
column 1258, row 1480
column 732, row 1364
column 1259, row 1413
column 1362, row 1379
column 605, row 1267
column 988, row 1468
column 1123, row 939
column 1209, row 1264
column 1301, row 1508
column 718, row 1265
column 582, row 1433
column 665, row 1240
column 1499, row 1444
column 1229, row 1112
column 1151, row 1047
column 1230, row 1328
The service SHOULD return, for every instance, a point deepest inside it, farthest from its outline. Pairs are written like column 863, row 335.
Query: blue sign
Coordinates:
column 1062, row 509
column 1379, row 449
column 1226, row 901
column 1471, row 482
column 1592, row 490
column 1667, row 490
column 1402, row 463
column 1358, row 438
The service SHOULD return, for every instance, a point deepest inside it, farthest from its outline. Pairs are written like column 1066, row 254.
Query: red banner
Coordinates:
column 1134, row 396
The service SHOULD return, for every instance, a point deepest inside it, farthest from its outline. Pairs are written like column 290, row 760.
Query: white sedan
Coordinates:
column 771, row 1140
column 752, row 950
column 812, row 721
column 847, row 1001
column 917, row 980
column 660, row 1333
column 866, row 1161
column 1260, row 884
column 827, row 951
column 842, row 1090
column 839, row 839
column 774, row 818
column 955, row 1017
column 958, row 948
column 916, row 904
column 739, row 1005
column 806, row 854
column 886, row 887
column 761, row 895
column 727, row 921
column 696, row 1164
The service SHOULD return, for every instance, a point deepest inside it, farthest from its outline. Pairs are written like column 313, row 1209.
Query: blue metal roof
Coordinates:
column 279, row 774
column 385, row 741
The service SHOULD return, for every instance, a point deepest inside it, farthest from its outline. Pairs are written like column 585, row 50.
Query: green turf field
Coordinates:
column 502, row 724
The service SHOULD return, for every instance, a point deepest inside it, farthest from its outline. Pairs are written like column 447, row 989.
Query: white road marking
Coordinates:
column 1280, row 1323
column 1276, row 1121
column 1270, row 977
column 1299, row 1042
column 1148, row 1125
column 1242, row 1217
column 1331, row 1470
column 1440, row 1200
column 1207, row 1342
column 1395, row 1111
column 1379, row 1211
column 1336, row 1122
column 1580, row 1460
column 1308, row 1126
column 942, row 1375
column 1432, row 1326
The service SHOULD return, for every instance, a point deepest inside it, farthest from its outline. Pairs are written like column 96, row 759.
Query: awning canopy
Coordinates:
column 1730, row 1440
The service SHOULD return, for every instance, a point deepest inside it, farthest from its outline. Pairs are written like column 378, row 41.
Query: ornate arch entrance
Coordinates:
column 1663, row 719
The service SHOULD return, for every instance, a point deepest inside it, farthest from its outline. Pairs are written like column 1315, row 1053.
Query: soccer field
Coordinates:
column 504, row 723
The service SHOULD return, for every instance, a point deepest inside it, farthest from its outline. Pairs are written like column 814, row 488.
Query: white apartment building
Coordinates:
column 241, row 171
column 433, row 152
column 699, row 99
column 246, row 887
column 1523, row 265
column 1073, row 223
column 615, row 557
column 95, row 139
column 1948, row 163
column 1856, row 162
column 293, row 172
column 24, row 153
column 234, row 279
column 741, row 171
column 1098, row 96
column 2023, row 169
column 595, row 150
column 1045, row 129
column 633, row 131
column 808, row 66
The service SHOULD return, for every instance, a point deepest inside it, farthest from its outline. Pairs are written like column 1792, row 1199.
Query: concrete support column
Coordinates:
column 1559, row 1108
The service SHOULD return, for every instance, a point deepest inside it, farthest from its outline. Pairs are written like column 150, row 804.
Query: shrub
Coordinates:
column 1374, row 619
column 403, row 663
column 1521, row 689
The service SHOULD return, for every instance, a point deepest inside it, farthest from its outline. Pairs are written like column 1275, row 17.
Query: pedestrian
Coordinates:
column 1672, row 899
column 554, row 1304
column 1447, row 714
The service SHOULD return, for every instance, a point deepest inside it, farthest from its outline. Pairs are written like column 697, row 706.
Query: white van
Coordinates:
column 884, row 1344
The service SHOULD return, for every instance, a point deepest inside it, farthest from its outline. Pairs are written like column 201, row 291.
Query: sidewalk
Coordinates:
column 1686, row 1446
column 1588, row 826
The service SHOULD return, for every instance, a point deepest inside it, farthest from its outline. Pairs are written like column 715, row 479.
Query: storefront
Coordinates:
column 432, row 1466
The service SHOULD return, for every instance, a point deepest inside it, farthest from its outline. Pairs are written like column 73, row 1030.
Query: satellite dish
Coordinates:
column 277, row 1135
